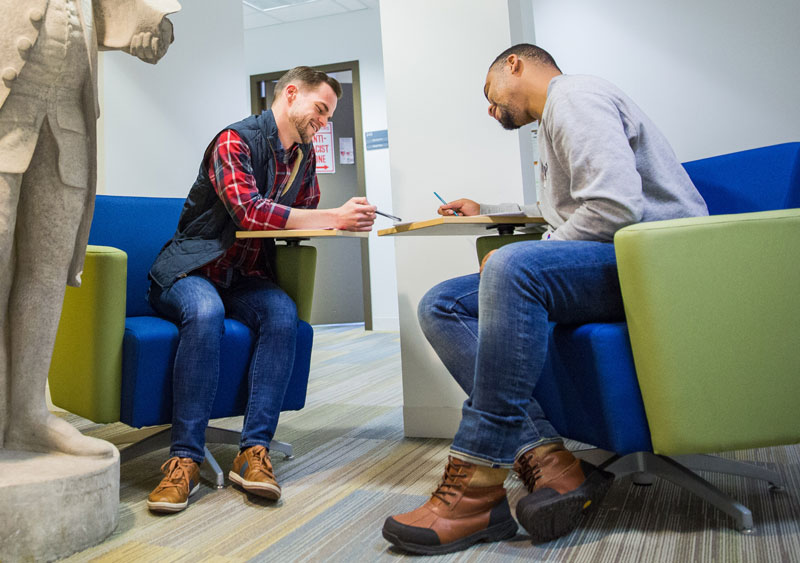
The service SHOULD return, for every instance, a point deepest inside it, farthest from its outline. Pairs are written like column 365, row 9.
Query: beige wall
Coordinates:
column 716, row 76
column 435, row 57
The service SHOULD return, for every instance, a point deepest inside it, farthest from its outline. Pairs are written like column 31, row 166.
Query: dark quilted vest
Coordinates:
column 205, row 228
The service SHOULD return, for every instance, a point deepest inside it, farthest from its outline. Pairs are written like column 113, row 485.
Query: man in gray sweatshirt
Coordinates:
column 603, row 165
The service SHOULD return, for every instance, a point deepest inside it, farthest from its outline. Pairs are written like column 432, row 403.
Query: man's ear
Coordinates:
column 515, row 64
column 290, row 93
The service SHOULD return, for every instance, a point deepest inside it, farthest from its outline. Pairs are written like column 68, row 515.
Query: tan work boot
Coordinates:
column 561, row 488
column 181, row 480
column 469, row 506
column 252, row 470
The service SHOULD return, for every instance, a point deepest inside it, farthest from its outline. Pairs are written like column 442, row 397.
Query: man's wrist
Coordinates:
column 311, row 218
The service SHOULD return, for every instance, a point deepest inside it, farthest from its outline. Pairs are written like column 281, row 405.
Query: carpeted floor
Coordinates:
column 353, row 468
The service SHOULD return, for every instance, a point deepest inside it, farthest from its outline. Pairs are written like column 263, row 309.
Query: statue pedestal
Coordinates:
column 52, row 505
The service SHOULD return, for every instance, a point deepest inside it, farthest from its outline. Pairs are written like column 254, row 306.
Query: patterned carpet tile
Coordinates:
column 353, row 468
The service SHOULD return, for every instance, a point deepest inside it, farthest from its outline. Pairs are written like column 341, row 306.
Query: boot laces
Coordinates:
column 528, row 469
column 451, row 484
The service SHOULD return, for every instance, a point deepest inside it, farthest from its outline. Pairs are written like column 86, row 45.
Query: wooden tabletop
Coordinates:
column 300, row 233
column 458, row 225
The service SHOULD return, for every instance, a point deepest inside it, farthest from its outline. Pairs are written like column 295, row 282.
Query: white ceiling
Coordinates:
column 263, row 13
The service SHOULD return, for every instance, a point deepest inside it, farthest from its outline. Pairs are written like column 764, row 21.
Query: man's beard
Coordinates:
column 302, row 129
column 507, row 120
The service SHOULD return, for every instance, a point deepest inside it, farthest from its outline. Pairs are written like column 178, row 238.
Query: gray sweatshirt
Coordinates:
column 603, row 165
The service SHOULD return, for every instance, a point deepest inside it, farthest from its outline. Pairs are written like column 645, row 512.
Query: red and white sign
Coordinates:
column 323, row 147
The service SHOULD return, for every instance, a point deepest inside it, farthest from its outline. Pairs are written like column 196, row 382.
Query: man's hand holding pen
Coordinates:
column 355, row 215
column 460, row 207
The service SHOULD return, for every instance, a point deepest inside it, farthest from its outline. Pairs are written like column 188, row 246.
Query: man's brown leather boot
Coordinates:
column 469, row 506
column 561, row 488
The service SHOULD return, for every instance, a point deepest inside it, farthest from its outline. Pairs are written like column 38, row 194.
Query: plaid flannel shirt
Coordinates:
column 231, row 173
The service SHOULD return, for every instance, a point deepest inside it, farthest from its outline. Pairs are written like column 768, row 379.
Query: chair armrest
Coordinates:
column 713, row 310
column 296, row 267
column 86, row 369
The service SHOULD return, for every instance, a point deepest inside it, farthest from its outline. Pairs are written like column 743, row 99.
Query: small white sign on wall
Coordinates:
column 346, row 154
column 323, row 148
column 537, row 168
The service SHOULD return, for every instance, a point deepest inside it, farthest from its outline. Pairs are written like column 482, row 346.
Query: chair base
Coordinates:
column 146, row 440
column 680, row 470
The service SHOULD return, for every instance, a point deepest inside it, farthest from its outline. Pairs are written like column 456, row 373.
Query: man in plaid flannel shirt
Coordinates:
column 257, row 174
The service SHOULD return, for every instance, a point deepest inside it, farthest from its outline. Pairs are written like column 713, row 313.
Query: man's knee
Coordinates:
column 284, row 311
column 433, row 304
column 272, row 310
column 521, row 259
column 425, row 309
column 516, row 271
column 505, row 262
column 207, row 313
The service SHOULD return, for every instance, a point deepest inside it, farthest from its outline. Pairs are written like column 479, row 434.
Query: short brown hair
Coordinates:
column 309, row 77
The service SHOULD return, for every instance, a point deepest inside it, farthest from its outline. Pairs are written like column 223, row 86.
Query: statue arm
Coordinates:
column 138, row 27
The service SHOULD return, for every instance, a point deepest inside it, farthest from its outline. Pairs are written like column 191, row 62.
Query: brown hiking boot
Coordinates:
column 561, row 488
column 252, row 471
column 181, row 480
column 469, row 506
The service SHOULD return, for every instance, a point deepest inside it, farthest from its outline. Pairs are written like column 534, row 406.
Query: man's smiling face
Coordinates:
column 506, row 102
column 310, row 109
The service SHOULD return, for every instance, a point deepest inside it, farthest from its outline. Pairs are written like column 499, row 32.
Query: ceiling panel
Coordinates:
column 352, row 5
column 261, row 13
column 316, row 9
column 274, row 4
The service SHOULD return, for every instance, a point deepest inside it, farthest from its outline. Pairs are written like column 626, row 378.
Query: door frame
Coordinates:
column 361, row 188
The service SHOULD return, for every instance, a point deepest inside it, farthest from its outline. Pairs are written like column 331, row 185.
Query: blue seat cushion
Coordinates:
column 148, row 354
column 588, row 388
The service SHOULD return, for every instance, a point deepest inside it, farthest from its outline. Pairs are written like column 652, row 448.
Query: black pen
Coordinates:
column 398, row 219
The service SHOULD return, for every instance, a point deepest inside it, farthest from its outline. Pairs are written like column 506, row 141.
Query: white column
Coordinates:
column 441, row 138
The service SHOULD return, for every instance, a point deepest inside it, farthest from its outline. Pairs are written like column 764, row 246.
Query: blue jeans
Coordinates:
column 497, row 356
column 199, row 308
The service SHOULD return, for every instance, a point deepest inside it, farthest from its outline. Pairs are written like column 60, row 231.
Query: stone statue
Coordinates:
column 48, row 113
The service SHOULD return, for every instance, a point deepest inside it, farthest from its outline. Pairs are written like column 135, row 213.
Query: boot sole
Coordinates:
column 501, row 531
column 265, row 490
column 558, row 516
column 171, row 506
